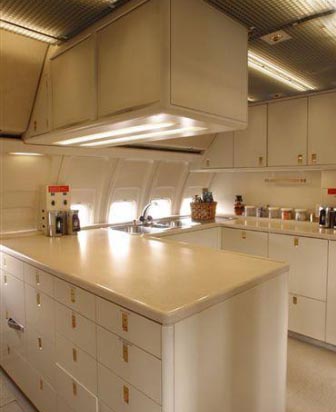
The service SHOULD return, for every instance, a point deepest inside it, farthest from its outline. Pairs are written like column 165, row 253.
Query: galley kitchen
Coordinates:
column 168, row 206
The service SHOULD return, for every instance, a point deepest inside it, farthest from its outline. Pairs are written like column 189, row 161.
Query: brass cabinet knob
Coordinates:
column 300, row 159
column 126, row 394
column 73, row 295
column 124, row 321
column 207, row 163
column 244, row 235
column 73, row 321
column 314, row 158
column 261, row 160
column 125, row 353
column 296, row 242
column 295, row 300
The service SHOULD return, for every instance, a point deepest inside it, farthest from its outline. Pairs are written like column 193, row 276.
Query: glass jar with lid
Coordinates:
column 273, row 212
column 286, row 213
column 301, row 215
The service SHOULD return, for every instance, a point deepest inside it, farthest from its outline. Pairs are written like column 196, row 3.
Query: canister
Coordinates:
column 286, row 213
column 273, row 212
column 300, row 215
column 250, row 211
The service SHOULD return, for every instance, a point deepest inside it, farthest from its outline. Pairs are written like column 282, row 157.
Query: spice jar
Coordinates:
column 250, row 211
column 286, row 213
column 273, row 212
column 239, row 205
column 300, row 215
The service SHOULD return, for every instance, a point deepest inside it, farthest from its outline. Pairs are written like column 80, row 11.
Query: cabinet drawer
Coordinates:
column 245, row 241
column 12, row 265
column 75, row 298
column 307, row 316
column 132, row 364
column 40, row 312
column 132, row 327
column 62, row 406
column 104, row 408
column 19, row 370
column 44, row 395
column 123, row 396
column 41, row 354
column 77, row 363
column 76, row 328
column 75, row 394
column 308, row 260
column 39, row 279
column 13, row 344
column 12, row 293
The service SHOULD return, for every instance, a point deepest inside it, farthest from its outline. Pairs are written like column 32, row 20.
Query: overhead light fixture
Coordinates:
column 130, row 139
column 25, row 154
column 34, row 34
column 119, row 132
column 260, row 64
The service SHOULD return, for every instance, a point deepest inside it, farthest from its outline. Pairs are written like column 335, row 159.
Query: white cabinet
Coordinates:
column 205, row 237
column 308, row 260
column 250, row 144
column 307, row 316
column 220, row 152
column 124, row 47
column 245, row 241
column 39, row 122
column 287, row 133
column 331, row 299
column 321, row 129
column 73, row 84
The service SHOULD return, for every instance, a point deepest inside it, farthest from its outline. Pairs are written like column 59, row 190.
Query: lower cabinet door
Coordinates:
column 205, row 237
column 74, row 393
column 44, row 395
column 245, row 241
column 331, row 300
column 119, row 396
column 103, row 408
column 307, row 316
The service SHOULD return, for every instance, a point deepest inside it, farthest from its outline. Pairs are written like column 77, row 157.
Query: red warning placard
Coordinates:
column 332, row 191
column 58, row 189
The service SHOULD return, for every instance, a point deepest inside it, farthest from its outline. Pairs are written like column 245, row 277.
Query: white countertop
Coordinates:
column 164, row 281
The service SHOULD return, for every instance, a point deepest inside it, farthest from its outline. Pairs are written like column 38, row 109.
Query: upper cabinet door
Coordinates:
column 220, row 153
column 287, row 133
column 321, row 129
column 39, row 122
column 250, row 144
column 73, row 85
column 129, row 61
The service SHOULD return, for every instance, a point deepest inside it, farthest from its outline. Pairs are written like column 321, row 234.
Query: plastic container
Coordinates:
column 286, row 213
column 301, row 215
column 250, row 211
column 273, row 212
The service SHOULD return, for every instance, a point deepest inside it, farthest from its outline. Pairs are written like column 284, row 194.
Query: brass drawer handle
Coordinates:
column 125, row 353
column 207, row 163
column 38, row 299
column 37, row 278
column 124, row 321
column 295, row 300
column 126, row 394
column 314, row 157
column 296, row 242
column 5, row 280
column 244, row 235
column 74, row 388
column 73, row 321
column 39, row 340
column 261, row 160
column 300, row 159
column 41, row 384
column 73, row 295
column 74, row 354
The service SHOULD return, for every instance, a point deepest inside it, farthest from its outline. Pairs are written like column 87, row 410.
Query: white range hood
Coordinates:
column 153, row 70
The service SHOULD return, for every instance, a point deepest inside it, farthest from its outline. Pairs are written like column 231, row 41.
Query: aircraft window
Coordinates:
column 185, row 206
column 84, row 213
column 122, row 211
column 161, row 209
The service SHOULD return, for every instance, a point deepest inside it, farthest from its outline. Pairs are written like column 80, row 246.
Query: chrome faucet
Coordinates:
column 145, row 217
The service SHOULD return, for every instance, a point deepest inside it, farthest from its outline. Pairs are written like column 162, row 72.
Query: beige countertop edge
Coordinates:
column 163, row 318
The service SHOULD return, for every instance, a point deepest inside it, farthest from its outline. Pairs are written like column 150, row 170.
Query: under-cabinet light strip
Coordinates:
column 130, row 139
column 270, row 69
column 119, row 132
column 25, row 154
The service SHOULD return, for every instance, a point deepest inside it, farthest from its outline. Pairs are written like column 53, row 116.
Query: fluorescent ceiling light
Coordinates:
column 25, row 154
column 34, row 34
column 270, row 69
column 130, row 139
column 119, row 132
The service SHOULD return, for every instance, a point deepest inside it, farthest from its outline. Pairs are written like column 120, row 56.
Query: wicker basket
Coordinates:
column 203, row 212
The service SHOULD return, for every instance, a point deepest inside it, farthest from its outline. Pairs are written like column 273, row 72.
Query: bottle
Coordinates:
column 239, row 205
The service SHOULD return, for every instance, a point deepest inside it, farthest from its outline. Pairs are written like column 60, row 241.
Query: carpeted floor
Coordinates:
column 311, row 382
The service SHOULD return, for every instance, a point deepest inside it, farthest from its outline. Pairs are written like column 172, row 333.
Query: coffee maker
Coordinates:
column 55, row 206
column 327, row 217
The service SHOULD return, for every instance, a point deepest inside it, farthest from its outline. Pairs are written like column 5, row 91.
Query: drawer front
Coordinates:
column 62, row 406
column 73, row 393
column 77, row 363
column 308, row 260
column 41, row 354
column 132, row 327
column 40, row 280
column 104, row 408
column 12, row 265
column 44, row 395
column 245, row 241
column 77, row 329
column 132, row 364
column 40, row 312
column 307, row 316
column 75, row 298
column 12, row 291
column 120, row 396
